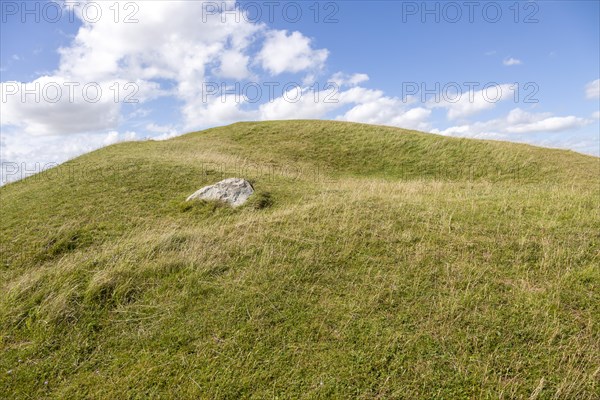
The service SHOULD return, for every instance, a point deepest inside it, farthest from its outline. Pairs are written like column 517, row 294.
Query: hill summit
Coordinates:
column 371, row 262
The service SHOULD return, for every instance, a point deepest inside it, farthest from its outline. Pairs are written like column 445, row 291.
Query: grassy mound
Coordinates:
column 372, row 262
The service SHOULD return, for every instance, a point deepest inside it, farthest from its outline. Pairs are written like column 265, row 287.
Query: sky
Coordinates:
column 79, row 75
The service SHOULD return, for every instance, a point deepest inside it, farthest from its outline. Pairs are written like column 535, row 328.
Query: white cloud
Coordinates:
column 290, row 53
column 342, row 79
column 166, row 136
column 139, row 113
column 470, row 102
column 596, row 115
column 155, row 128
column 540, row 129
column 519, row 121
column 511, row 61
column 304, row 103
column 301, row 103
column 367, row 106
column 389, row 111
column 234, row 64
column 22, row 157
column 164, row 132
column 55, row 111
column 56, row 148
column 168, row 44
column 550, row 124
column 169, row 47
column 592, row 90
column 216, row 110
column 516, row 121
column 116, row 137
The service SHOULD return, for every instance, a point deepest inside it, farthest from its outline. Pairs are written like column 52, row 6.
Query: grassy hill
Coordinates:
column 372, row 262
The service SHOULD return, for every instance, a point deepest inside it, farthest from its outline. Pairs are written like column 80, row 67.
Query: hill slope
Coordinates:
column 373, row 262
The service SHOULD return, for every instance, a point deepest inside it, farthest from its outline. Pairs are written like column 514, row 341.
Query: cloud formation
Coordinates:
column 517, row 121
column 290, row 53
column 176, row 47
column 168, row 44
column 510, row 61
column 592, row 90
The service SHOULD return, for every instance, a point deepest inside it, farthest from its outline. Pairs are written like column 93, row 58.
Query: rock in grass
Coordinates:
column 233, row 191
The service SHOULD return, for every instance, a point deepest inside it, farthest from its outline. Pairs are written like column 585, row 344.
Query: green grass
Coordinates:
column 372, row 262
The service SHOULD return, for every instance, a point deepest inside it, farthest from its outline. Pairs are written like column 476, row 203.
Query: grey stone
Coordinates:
column 233, row 191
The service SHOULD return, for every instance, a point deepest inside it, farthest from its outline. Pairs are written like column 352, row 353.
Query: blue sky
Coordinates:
column 543, row 57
